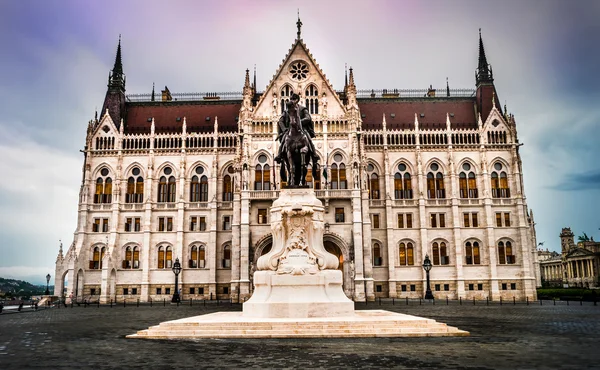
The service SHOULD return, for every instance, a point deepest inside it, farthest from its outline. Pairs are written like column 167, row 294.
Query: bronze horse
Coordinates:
column 297, row 150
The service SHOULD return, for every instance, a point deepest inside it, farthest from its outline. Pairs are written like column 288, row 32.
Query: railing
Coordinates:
column 264, row 194
column 197, row 205
column 413, row 93
column 437, row 202
column 231, row 95
column 469, row 201
column 227, row 205
column 376, row 203
column 404, row 202
column 133, row 206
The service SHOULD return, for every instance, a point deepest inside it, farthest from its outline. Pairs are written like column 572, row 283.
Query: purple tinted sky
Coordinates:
column 56, row 56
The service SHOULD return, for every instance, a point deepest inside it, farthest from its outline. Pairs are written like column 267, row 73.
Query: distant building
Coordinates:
column 406, row 173
column 576, row 265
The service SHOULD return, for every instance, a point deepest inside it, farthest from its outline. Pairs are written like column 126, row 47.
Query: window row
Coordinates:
column 440, row 253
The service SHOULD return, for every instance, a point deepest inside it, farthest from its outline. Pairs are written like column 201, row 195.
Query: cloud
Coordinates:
column 581, row 181
column 34, row 275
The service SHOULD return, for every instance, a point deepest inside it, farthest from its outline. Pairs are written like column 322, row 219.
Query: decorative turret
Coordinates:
column 484, row 70
column 115, row 96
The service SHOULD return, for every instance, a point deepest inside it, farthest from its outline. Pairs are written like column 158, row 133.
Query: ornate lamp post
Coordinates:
column 427, row 268
column 176, row 270
column 47, row 282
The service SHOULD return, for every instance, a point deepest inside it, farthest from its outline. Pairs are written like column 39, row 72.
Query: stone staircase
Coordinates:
column 372, row 323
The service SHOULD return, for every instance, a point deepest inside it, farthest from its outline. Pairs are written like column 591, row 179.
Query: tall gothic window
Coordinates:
column 167, row 186
column 135, row 187
column 402, row 183
column 165, row 257
column 132, row 257
column 505, row 253
column 286, row 94
column 467, row 182
column 199, row 186
column 262, row 174
column 338, row 173
column 377, row 256
column 407, row 254
column 97, row 257
column 374, row 192
column 500, row 187
column 435, row 182
column 226, row 256
column 472, row 253
column 103, row 192
column 440, row 254
column 310, row 180
column 312, row 99
column 228, row 185
column 197, row 257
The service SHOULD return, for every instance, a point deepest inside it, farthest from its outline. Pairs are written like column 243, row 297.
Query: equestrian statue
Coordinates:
column 296, row 150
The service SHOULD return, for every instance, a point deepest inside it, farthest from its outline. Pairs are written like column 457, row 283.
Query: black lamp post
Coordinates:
column 47, row 282
column 176, row 270
column 427, row 268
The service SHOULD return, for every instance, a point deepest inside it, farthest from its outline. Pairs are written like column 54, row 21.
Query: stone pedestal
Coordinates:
column 298, row 278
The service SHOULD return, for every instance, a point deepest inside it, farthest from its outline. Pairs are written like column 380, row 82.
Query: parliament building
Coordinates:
column 405, row 173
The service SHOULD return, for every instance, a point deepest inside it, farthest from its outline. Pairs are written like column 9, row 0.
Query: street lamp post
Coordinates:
column 47, row 282
column 427, row 268
column 176, row 270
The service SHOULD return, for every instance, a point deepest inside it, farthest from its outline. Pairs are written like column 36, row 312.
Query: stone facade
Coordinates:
column 202, row 192
column 576, row 265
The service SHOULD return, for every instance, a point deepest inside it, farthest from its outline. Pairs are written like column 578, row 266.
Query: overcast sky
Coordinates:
column 56, row 55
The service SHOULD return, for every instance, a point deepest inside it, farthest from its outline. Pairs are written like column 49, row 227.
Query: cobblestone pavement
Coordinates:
column 502, row 337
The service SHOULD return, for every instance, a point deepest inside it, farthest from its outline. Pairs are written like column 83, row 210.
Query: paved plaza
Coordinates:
column 502, row 337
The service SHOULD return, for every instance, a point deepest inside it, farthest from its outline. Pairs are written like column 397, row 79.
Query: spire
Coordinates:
column 345, row 75
column 447, row 87
column 118, row 67
column 299, row 25
column 351, row 77
column 152, row 99
column 484, row 70
column 114, row 101
column 254, row 82
column 247, row 80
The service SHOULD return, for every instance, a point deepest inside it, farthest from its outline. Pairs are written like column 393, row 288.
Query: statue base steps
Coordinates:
column 369, row 323
column 298, row 296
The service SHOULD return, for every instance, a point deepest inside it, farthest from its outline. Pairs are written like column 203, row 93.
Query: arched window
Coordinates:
column 338, row 173
column 435, row 182
column 227, row 256
column 96, row 260
column 310, row 179
column 312, row 99
column 377, row 257
column 135, row 187
column 286, row 93
column 505, row 253
column 406, row 253
column 373, row 182
column 103, row 193
column 166, row 186
column 197, row 257
column 132, row 258
column 228, row 186
column 262, row 174
column 472, row 253
column 440, row 254
column 402, row 183
column 467, row 182
column 500, row 187
column 199, row 186
column 165, row 257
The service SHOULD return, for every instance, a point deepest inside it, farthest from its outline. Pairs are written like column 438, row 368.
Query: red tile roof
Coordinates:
column 434, row 110
column 165, row 116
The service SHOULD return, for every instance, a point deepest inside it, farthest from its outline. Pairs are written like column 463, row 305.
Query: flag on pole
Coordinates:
column 325, row 172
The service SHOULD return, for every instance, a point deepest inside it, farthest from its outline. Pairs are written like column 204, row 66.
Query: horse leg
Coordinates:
column 291, row 169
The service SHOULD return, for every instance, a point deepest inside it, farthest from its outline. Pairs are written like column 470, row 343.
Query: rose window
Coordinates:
column 299, row 71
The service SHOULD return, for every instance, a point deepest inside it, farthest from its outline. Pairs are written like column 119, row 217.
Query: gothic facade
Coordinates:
column 405, row 173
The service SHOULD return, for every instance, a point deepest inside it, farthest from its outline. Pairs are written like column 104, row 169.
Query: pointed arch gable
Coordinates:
column 192, row 167
column 131, row 166
column 474, row 167
column 378, row 169
column 222, row 171
column 111, row 171
column 501, row 160
column 260, row 152
column 162, row 166
column 409, row 165
column 345, row 157
column 440, row 162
